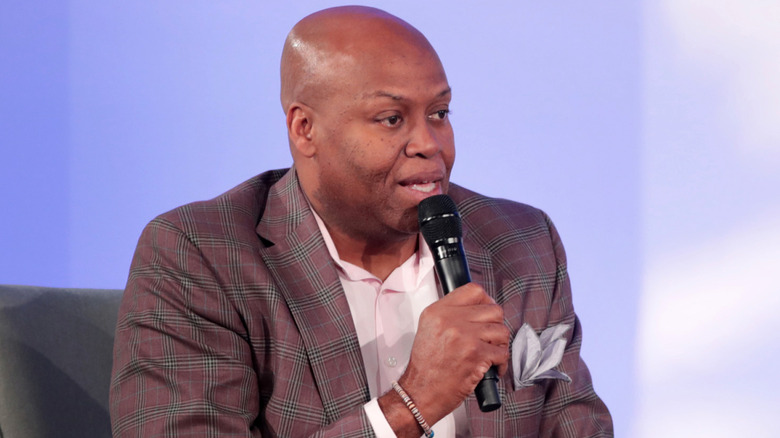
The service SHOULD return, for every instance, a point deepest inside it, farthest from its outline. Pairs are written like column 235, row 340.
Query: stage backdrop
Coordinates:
column 647, row 130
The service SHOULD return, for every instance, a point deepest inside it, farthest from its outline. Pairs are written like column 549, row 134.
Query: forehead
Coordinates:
column 390, row 73
column 442, row 92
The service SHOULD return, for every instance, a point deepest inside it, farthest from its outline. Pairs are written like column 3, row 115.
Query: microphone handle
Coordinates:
column 453, row 272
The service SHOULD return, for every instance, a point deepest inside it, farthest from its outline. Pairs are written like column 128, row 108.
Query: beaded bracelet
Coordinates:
column 412, row 407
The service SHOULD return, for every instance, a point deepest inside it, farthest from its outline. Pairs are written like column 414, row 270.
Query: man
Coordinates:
column 303, row 302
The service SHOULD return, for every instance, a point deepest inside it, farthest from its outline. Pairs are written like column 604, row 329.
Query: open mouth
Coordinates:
column 423, row 183
column 422, row 186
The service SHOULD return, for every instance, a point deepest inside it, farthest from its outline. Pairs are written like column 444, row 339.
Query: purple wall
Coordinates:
column 113, row 112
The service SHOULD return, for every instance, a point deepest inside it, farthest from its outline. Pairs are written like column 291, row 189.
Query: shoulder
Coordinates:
column 489, row 219
column 232, row 215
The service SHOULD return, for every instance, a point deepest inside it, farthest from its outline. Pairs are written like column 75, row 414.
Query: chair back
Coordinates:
column 56, row 349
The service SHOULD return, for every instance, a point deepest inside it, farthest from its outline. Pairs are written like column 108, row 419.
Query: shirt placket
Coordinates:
column 395, row 329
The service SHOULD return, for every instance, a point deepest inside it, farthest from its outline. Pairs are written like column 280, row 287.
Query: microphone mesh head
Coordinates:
column 438, row 218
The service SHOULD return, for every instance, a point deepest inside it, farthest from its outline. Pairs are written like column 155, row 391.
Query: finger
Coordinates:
column 468, row 294
column 491, row 313
column 499, row 356
column 496, row 334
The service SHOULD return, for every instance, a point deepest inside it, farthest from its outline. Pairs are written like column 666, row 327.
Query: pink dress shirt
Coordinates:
column 386, row 317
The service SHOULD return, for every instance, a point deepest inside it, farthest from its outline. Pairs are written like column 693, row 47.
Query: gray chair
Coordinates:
column 55, row 361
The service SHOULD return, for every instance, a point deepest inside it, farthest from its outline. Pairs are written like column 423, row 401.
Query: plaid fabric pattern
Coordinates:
column 516, row 254
column 234, row 323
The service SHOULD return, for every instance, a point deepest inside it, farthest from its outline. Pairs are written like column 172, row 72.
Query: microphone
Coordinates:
column 441, row 228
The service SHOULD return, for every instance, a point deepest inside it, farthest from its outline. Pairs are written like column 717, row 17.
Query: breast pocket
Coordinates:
column 525, row 402
column 523, row 410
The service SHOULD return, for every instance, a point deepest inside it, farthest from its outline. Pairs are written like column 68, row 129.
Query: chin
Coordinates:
column 408, row 224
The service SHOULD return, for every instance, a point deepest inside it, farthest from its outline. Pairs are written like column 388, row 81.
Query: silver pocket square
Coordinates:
column 534, row 357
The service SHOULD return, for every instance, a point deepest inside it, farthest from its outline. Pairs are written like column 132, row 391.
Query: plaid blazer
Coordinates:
column 234, row 323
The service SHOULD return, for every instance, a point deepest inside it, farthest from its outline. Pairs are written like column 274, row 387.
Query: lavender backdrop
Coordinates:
column 647, row 130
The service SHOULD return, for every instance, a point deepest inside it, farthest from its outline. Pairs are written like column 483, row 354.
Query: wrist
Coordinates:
column 398, row 416
column 426, row 428
column 427, row 402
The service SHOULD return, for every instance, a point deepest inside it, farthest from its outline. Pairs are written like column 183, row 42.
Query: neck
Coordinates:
column 378, row 253
column 380, row 258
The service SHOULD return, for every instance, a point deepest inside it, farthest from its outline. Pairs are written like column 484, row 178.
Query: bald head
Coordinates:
column 322, row 49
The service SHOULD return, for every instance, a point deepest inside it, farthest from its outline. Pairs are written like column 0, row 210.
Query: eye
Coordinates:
column 391, row 121
column 441, row 114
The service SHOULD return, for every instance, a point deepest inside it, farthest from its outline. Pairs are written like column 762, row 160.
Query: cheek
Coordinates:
column 360, row 156
column 449, row 154
column 448, row 150
column 373, row 160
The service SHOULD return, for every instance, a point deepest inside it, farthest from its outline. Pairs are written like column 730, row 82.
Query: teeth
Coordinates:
column 425, row 187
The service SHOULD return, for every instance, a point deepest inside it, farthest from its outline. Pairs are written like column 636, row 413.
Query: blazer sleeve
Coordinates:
column 183, row 365
column 570, row 409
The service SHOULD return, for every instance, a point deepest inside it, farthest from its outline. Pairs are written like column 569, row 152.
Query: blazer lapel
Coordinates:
column 299, row 261
column 481, row 269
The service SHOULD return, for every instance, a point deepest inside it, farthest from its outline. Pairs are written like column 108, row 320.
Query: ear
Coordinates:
column 300, row 119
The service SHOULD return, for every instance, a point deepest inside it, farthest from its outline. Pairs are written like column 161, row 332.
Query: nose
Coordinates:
column 425, row 141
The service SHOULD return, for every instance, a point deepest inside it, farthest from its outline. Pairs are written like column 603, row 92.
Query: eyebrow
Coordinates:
column 381, row 93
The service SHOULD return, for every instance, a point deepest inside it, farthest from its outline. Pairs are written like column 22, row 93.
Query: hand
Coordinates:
column 458, row 338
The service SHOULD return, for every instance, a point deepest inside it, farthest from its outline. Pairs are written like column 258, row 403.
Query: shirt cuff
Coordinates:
column 377, row 419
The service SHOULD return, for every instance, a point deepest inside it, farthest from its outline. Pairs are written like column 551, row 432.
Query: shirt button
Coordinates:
column 391, row 361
